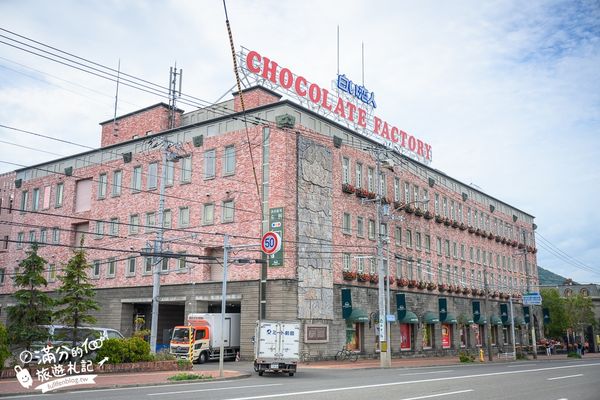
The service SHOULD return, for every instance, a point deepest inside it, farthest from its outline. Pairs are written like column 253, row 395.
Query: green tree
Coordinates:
column 33, row 306
column 556, row 305
column 76, row 295
column 580, row 312
column 4, row 352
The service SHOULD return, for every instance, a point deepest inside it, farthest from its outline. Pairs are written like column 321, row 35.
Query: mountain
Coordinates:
column 549, row 278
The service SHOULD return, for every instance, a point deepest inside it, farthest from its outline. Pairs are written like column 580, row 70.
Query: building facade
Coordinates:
column 275, row 165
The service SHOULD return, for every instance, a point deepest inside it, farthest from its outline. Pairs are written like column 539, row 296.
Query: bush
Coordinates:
column 465, row 357
column 186, row 376
column 4, row 352
column 573, row 354
column 125, row 350
column 164, row 355
column 183, row 364
column 522, row 356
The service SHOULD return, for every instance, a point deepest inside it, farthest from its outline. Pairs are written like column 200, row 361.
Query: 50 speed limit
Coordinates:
column 271, row 243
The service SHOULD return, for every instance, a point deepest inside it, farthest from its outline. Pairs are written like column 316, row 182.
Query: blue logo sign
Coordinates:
column 358, row 91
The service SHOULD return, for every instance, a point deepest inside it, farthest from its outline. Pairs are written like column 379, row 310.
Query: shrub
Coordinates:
column 4, row 352
column 522, row 356
column 465, row 357
column 573, row 354
column 164, row 355
column 183, row 364
column 125, row 350
column 186, row 376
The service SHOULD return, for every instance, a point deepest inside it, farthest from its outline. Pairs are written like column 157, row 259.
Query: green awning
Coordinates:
column 465, row 319
column 450, row 319
column 495, row 320
column 519, row 321
column 431, row 318
column 410, row 318
column 358, row 315
column 482, row 320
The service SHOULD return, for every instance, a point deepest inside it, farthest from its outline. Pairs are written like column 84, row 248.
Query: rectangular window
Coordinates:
column 136, row 179
column 43, row 236
column 471, row 254
column 58, row 199
column 447, row 247
column 24, row 200
column 438, row 246
column 167, row 219
column 396, row 189
column 428, row 332
column 96, row 269
column 359, row 173
column 371, row 229
column 31, row 237
column 382, row 185
column 150, row 222
column 440, row 273
column 478, row 256
column 184, row 217
column 147, row 263
column 99, row 229
column 406, row 192
column 427, row 243
column 229, row 160
column 102, row 182
column 437, row 204
column 117, row 183
column 372, row 266
column 170, row 173
column 345, row 170
column 408, row 237
column 114, row 226
column 454, row 250
column 152, row 180
column 46, row 200
column 399, row 269
column 418, row 240
column 360, row 267
column 35, row 200
column 208, row 214
column 186, row 169
column 460, row 214
column 55, row 235
column 181, row 261
column 445, row 206
column 134, row 224
column 346, row 224
column 227, row 211
column 398, row 236
column 111, row 269
column 370, row 179
column 164, row 265
column 209, row 164
column 131, row 261
column 360, row 227
column 2, row 275
column 425, row 200
column 51, row 272
column 346, row 262
column 462, row 251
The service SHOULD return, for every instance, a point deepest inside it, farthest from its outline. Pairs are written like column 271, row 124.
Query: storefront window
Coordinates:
column 428, row 336
column 406, row 332
column 494, row 335
column 464, row 335
column 446, row 336
column 478, row 331
column 505, row 334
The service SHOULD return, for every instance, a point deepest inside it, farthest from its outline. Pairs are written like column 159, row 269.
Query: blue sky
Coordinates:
column 507, row 92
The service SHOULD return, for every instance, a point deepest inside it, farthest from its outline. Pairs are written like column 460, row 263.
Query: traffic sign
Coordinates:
column 532, row 299
column 270, row 243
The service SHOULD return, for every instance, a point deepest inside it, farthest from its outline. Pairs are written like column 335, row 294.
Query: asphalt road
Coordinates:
column 565, row 379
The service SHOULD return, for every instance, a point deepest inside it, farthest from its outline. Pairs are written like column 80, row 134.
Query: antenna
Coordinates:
column 363, row 63
column 173, row 93
column 338, row 49
column 115, row 127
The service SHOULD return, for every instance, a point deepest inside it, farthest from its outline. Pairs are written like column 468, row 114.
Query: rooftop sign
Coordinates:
column 339, row 106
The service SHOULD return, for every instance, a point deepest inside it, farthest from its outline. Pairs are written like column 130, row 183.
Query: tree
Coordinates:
column 4, row 352
column 556, row 305
column 34, row 307
column 580, row 312
column 76, row 295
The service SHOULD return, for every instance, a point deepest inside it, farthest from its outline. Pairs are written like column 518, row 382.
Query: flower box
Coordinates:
column 503, row 241
column 349, row 275
column 402, row 282
column 399, row 205
column 385, row 200
column 457, row 289
column 442, row 287
column 462, row 226
column 374, row 278
column 490, row 236
column 364, row 277
column 471, row 229
column 418, row 212
column 514, row 243
column 422, row 285
column 409, row 209
column 428, row 215
column 431, row 286
column 498, row 238
column 412, row 283
column 447, row 221
column 348, row 188
column 439, row 219
column 521, row 246
column 466, row 291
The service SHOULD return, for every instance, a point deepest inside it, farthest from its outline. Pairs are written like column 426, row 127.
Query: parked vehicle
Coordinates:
column 277, row 346
column 203, row 331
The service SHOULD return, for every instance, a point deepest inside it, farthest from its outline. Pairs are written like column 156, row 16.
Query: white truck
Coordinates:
column 276, row 346
column 203, row 332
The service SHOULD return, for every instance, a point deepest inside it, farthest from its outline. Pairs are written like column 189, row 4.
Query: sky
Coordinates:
column 506, row 92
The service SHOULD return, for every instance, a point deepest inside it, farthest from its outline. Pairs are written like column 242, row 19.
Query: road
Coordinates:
column 549, row 380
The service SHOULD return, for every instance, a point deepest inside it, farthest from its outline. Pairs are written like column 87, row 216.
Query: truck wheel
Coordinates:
column 261, row 372
column 291, row 374
column 202, row 358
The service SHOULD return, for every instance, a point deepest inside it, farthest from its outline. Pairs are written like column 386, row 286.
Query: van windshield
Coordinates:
column 181, row 335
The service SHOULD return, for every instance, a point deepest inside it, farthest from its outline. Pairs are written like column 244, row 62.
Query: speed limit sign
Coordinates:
column 270, row 243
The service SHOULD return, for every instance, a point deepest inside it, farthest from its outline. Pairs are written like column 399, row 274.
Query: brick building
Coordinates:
column 224, row 167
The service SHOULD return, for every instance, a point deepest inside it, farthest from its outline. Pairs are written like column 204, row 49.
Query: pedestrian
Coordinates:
column 552, row 346
column 579, row 347
column 548, row 349
column 582, row 349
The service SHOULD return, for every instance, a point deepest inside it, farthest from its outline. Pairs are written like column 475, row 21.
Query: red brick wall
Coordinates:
column 254, row 97
column 154, row 119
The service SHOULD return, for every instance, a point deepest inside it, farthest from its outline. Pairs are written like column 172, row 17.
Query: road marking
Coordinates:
column 339, row 389
column 564, row 377
column 424, row 373
column 521, row 365
column 213, row 389
column 438, row 395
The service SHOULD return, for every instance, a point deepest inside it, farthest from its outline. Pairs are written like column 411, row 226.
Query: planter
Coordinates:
column 466, row 291
column 371, row 195
column 389, row 280
column 418, row 212
column 521, row 246
column 374, row 278
column 447, row 221
column 385, row 200
column 409, row 209
column 422, row 285
column 431, row 286
column 471, row 229
column 439, row 219
column 399, row 205
column 349, row 275
column 462, row 227
column 455, row 224
column 442, row 287
column 412, row 283
column 498, row 238
column 428, row 215
column 490, row 236
column 402, row 282
column 457, row 290
column 364, row 277
column 348, row 188
column 362, row 193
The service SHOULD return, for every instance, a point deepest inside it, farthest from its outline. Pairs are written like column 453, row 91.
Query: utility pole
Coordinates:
column 531, row 318
column 488, row 329
column 512, row 327
column 223, row 304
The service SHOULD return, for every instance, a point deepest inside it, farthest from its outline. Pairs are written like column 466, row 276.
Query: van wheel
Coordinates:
column 291, row 374
column 202, row 358
column 260, row 373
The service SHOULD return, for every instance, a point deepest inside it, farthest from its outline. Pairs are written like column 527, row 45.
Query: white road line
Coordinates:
column 438, row 395
column 339, row 389
column 213, row 389
column 521, row 365
column 424, row 373
column 564, row 377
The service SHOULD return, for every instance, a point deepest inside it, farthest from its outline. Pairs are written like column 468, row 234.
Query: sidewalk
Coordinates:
column 245, row 369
